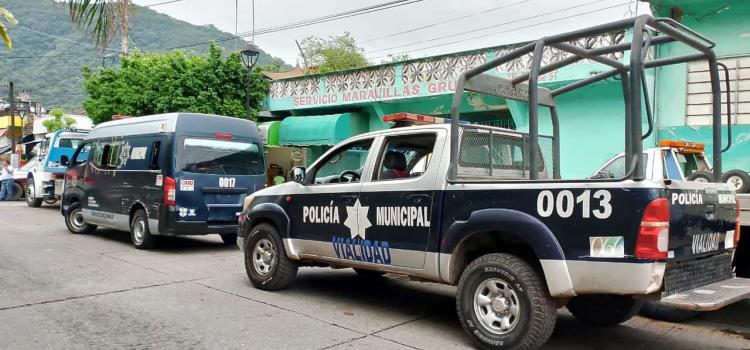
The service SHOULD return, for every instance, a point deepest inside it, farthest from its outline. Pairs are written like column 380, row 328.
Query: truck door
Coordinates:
column 400, row 197
column 327, row 217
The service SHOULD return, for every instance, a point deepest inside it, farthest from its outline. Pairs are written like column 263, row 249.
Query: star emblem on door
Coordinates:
column 356, row 219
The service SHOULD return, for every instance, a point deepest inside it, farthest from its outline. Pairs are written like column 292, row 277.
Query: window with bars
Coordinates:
column 698, row 109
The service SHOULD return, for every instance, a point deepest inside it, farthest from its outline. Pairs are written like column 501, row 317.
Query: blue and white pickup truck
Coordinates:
column 45, row 173
column 486, row 208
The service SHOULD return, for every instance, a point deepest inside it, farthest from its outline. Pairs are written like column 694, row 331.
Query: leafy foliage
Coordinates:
column 173, row 82
column 51, row 68
column 58, row 121
column 7, row 17
column 333, row 54
column 102, row 19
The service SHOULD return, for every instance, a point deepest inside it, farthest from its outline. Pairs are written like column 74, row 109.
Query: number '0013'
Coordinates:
column 564, row 204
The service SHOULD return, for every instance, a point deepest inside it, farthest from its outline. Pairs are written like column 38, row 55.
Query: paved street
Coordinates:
column 59, row 290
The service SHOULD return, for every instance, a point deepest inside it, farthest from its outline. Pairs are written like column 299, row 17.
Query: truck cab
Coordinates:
column 45, row 172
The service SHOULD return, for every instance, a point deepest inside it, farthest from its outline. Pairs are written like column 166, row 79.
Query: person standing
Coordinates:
column 6, row 181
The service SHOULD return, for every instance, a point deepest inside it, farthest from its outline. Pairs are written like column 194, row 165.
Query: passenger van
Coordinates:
column 167, row 174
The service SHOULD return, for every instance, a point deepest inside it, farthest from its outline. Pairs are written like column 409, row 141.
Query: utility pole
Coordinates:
column 12, row 100
column 302, row 53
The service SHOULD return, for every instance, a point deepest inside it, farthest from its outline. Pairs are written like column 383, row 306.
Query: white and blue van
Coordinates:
column 167, row 174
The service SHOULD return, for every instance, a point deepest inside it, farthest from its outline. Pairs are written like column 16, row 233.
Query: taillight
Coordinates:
column 70, row 174
column 170, row 190
column 653, row 237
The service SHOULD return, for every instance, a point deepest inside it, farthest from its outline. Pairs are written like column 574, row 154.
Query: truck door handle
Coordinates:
column 418, row 198
column 348, row 199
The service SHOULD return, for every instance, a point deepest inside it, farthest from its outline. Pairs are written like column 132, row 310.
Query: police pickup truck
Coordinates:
column 486, row 209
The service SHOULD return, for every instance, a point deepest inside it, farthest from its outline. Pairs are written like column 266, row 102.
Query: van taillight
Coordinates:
column 653, row 237
column 170, row 190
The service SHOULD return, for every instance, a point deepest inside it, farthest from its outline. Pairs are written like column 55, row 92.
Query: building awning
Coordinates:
column 269, row 132
column 320, row 130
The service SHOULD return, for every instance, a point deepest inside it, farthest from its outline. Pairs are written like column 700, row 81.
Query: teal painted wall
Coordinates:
column 726, row 23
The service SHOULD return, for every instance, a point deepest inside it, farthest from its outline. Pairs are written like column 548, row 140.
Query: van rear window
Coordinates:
column 220, row 157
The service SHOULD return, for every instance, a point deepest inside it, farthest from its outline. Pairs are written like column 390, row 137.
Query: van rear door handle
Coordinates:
column 349, row 198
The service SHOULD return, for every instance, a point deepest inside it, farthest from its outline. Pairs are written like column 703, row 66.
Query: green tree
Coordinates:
column 333, row 54
column 103, row 19
column 58, row 121
column 7, row 17
column 173, row 82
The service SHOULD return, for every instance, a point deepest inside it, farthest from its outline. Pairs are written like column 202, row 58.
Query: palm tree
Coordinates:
column 103, row 19
column 6, row 16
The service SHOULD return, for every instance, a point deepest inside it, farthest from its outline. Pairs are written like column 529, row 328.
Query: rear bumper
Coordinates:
column 711, row 297
column 182, row 228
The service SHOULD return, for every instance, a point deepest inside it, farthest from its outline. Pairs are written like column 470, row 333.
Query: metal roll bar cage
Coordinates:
column 647, row 31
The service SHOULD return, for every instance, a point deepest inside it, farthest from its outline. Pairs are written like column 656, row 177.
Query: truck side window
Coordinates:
column 615, row 169
column 406, row 156
column 345, row 164
column 154, row 160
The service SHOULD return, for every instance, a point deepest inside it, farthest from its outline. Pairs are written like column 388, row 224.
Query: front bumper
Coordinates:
column 241, row 243
column 711, row 297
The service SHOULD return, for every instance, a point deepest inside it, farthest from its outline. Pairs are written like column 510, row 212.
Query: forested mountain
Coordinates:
column 48, row 65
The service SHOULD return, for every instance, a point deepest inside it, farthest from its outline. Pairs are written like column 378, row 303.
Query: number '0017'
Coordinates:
column 564, row 204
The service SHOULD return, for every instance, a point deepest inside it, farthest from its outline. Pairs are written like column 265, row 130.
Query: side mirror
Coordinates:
column 297, row 174
column 64, row 160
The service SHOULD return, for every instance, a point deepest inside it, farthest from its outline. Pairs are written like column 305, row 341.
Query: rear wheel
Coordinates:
column 738, row 180
column 503, row 302
column 266, row 263
column 604, row 310
column 50, row 201
column 661, row 312
column 31, row 199
column 17, row 191
column 140, row 234
column 229, row 239
column 74, row 220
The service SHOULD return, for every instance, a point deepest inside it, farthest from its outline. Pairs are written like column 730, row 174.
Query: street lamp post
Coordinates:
column 249, row 58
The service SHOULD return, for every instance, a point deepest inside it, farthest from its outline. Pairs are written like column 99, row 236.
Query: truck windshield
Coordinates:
column 220, row 157
column 66, row 142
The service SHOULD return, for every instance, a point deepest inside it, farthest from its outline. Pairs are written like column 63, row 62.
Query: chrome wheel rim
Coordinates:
column 700, row 179
column 30, row 192
column 139, row 230
column 76, row 219
column 496, row 306
column 735, row 181
column 264, row 256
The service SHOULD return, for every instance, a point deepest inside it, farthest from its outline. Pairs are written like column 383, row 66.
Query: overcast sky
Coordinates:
column 488, row 22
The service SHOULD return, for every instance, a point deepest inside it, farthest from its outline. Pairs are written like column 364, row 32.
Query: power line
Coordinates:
column 308, row 22
column 61, row 38
column 444, row 22
column 162, row 3
column 505, row 31
column 484, row 28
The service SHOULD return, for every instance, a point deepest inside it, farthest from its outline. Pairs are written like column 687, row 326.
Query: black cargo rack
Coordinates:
column 647, row 31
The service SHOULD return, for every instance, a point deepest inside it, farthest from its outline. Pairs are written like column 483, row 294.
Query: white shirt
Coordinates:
column 6, row 173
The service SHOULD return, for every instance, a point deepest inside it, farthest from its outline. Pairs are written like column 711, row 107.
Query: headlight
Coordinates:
column 248, row 200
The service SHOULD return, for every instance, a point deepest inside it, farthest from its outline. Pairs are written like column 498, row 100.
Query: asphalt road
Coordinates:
column 64, row 291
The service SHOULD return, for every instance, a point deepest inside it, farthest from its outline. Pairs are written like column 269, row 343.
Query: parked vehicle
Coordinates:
column 485, row 208
column 681, row 161
column 167, row 174
column 43, row 175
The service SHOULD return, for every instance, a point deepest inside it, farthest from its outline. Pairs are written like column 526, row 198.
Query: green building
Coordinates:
column 317, row 111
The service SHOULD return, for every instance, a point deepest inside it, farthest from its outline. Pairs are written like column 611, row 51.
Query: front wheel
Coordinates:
column 31, row 199
column 604, row 310
column 74, row 220
column 503, row 303
column 140, row 234
column 266, row 263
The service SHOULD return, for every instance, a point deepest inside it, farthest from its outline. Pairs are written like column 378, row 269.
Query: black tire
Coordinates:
column 74, row 220
column 274, row 270
column 229, row 239
column 661, row 312
column 369, row 275
column 17, row 191
column 525, row 290
column 738, row 179
column 701, row 176
column 140, row 234
column 604, row 310
column 32, row 201
column 50, row 201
